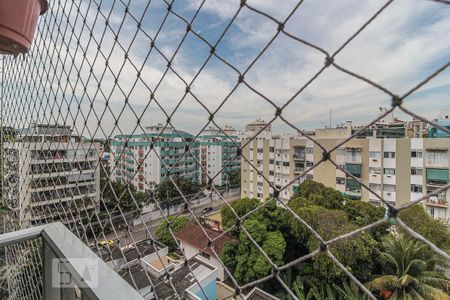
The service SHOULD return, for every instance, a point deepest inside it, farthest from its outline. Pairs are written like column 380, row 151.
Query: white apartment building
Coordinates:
column 144, row 160
column 218, row 156
column 50, row 175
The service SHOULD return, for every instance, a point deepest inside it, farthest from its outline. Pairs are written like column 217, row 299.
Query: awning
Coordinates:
column 352, row 183
column 437, row 175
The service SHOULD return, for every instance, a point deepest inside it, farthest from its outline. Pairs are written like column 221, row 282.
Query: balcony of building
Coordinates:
column 436, row 202
column 354, row 169
column 352, row 189
column 436, row 158
column 58, row 195
column 299, row 153
column 353, row 155
column 67, row 269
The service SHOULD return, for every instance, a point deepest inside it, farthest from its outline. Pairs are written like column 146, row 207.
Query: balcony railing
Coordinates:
column 67, row 268
column 434, row 201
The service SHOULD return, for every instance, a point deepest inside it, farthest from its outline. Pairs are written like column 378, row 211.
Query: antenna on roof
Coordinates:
column 331, row 111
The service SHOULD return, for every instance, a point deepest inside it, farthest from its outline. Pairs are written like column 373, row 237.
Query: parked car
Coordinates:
column 207, row 210
column 105, row 243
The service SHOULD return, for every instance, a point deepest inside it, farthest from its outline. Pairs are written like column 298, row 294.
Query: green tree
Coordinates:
column 250, row 263
column 362, row 213
column 267, row 227
column 241, row 207
column 409, row 272
column 163, row 233
column 318, row 194
column 167, row 194
column 355, row 253
column 420, row 221
column 228, row 256
column 121, row 197
column 234, row 178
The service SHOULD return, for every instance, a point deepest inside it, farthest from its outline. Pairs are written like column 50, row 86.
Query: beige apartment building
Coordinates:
column 398, row 169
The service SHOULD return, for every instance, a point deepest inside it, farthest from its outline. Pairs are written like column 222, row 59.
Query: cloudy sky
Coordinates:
column 408, row 41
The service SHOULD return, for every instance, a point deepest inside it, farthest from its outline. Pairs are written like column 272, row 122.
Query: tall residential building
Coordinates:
column 256, row 126
column 400, row 170
column 218, row 156
column 145, row 159
column 50, row 175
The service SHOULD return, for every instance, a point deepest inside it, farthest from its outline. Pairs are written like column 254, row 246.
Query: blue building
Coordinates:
column 439, row 133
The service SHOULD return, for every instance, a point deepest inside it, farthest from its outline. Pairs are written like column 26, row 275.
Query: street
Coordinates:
column 140, row 231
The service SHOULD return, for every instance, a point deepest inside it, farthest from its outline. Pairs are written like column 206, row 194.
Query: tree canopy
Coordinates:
column 166, row 192
column 163, row 233
column 264, row 226
column 241, row 207
column 330, row 214
column 420, row 221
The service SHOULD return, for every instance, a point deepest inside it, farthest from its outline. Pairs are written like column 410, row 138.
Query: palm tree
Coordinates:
column 410, row 272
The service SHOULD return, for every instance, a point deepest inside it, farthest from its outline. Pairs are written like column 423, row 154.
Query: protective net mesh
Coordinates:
column 98, row 73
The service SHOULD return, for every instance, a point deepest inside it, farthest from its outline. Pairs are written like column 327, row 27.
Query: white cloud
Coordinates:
column 401, row 47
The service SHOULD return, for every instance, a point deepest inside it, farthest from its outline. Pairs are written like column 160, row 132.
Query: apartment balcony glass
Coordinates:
column 353, row 156
column 437, row 159
column 353, row 188
column 354, row 169
column 300, row 154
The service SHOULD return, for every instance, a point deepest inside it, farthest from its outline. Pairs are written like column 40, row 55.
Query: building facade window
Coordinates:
column 340, row 180
column 389, row 154
column 416, row 153
column 389, row 171
column 340, row 152
column 373, row 170
column 437, row 158
column 375, row 187
column 389, row 188
column 415, row 188
column 416, row 171
column 375, row 154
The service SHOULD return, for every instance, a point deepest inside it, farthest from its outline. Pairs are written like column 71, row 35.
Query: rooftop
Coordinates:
column 182, row 278
column 193, row 234
column 142, row 248
column 258, row 294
